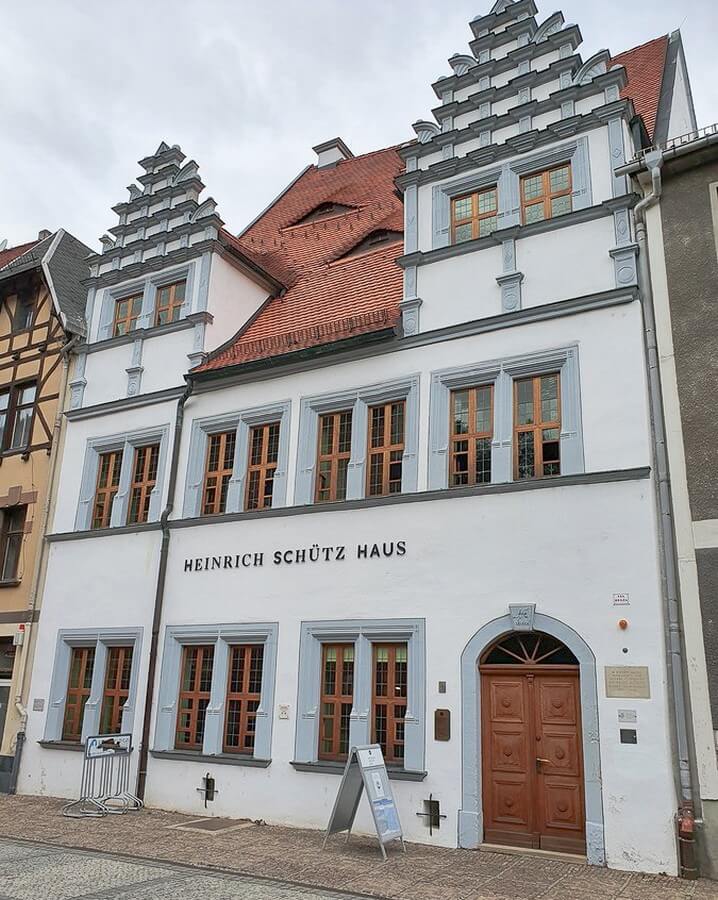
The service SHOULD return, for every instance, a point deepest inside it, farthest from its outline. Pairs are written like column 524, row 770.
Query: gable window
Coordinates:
column 126, row 314
column 337, row 699
column 24, row 313
column 262, row 464
column 474, row 215
column 244, row 690
column 324, row 211
column 471, row 435
column 116, row 689
column 386, row 448
column 389, row 700
column 170, row 299
column 11, row 534
column 218, row 472
column 194, row 696
column 144, row 479
column 372, row 241
column 335, row 444
column 537, row 427
column 108, row 483
column 82, row 663
column 545, row 195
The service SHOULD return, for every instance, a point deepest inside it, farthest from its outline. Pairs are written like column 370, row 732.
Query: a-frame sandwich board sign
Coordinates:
column 365, row 769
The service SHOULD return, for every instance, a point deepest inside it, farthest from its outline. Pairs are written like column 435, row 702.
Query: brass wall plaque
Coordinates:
column 442, row 725
column 628, row 681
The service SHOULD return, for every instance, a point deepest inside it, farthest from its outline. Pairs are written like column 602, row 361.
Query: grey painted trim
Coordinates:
column 241, row 422
column 127, row 442
column 510, row 280
column 145, row 333
column 411, row 212
column 410, row 308
column 501, row 373
column 470, row 821
column 362, row 633
column 78, row 382
column 222, row 636
column 327, row 768
column 221, row 759
column 124, row 403
column 557, row 481
column 358, row 400
column 10, row 617
column 617, row 156
column 62, row 745
column 100, row 639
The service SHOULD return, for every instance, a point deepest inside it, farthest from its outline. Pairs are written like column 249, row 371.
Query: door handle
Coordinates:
column 540, row 760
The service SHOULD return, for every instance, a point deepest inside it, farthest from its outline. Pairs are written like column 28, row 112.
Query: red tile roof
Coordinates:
column 11, row 253
column 328, row 297
column 644, row 66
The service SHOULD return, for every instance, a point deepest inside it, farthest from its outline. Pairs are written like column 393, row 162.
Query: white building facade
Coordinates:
column 417, row 510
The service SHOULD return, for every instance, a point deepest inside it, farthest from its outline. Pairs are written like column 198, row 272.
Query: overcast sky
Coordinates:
column 246, row 89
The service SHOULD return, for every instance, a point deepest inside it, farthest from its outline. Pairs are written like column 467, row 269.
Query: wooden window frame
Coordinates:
column 75, row 711
column 173, row 305
column 129, row 320
column 536, row 427
column 143, row 485
column 476, row 217
column 196, row 694
column 23, row 302
column 218, row 505
column 13, row 410
column 389, row 701
column 116, row 690
column 385, row 450
column 249, row 700
column 334, row 457
column 12, row 529
column 471, row 436
column 264, row 469
column 547, row 195
column 106, row 491
column 339, row 697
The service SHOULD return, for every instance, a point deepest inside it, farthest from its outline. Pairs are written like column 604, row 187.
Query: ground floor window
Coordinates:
column 362, row 682
column 94, row 683
column 217, row 690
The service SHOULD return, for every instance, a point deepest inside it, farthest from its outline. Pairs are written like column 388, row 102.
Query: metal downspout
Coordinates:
column 677, row 684
column 40, row 556
column 160, row 593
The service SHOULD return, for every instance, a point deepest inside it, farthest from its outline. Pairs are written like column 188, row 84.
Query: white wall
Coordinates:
column 233, row 298
column 682, row 119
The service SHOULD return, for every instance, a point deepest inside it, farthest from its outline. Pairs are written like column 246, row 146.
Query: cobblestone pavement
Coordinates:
column 154, row 838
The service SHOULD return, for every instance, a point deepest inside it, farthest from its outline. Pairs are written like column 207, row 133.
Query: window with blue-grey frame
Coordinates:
column 359, row 443
column 361, row 682
column 94, row 683
column 238, row 460
column 217, row 692
column 479, row 420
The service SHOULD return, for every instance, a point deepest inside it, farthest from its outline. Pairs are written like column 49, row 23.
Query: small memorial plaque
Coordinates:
column 628, row 681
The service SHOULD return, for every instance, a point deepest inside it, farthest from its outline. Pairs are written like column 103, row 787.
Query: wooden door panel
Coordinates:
column 508, row 700
column 509, row 750
column 562, row 751
column 511, row 802
column 563, row 805
column 557, row 701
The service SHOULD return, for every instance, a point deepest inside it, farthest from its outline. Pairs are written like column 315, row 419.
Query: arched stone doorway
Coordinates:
column 568, row 646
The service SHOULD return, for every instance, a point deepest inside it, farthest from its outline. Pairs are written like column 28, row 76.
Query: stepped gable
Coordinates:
column 305, row 239
column 645, row 66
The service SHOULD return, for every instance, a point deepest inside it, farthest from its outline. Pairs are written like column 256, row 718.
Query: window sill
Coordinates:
column 222, row 759
column 331, row 768
column 10, row 583
column 63, row 745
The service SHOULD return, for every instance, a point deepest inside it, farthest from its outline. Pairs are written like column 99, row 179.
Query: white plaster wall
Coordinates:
column 164, row 357
column 93, row 583
column 460, row 289
column 233, row 298
column 682, row 119
column 545, row 119
column 77, row 435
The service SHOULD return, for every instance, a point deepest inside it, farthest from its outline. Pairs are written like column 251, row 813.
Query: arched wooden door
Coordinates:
column 532, row 758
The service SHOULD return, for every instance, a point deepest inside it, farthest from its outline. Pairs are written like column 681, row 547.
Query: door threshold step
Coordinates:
column 531, row 851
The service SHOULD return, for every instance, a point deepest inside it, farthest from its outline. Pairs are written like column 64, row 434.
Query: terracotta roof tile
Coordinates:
column 644, row 66
column 11, row 253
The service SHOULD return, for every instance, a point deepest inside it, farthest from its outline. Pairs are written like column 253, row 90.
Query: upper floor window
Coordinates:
column 127, row 313
column 170, row 299
column 11, row 533
column 386, row 448
column 474, row 215
column 144, row 480
column 545, row 195
column 262, row 463
column 218, row 472
column 24, row 313
column 471, row 435
column 108, row 483
column 16, row 412
column 537, row 426
column 335, row 445
column 116, row 689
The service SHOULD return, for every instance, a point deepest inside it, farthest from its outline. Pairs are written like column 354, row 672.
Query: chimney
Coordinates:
column 331, row 152
column 43, row 233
